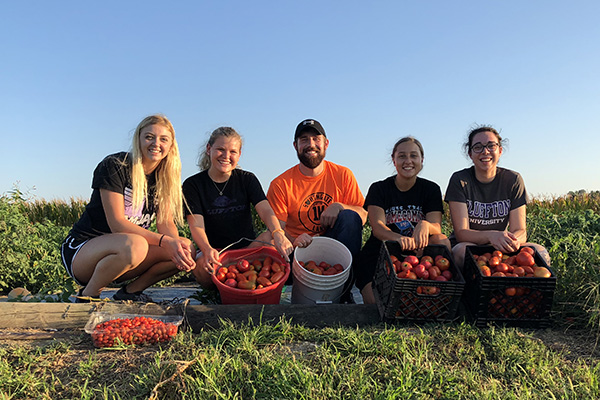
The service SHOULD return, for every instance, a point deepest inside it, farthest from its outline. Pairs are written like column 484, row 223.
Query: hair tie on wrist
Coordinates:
column 278, row 230
column 160, row 240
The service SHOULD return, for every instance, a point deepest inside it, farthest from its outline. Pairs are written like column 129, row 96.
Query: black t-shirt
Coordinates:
column 403, row 210
column 488, row 204
column 227, row 218
column 114, row 174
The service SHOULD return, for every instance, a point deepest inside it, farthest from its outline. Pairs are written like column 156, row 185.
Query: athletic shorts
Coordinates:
column 68, row 250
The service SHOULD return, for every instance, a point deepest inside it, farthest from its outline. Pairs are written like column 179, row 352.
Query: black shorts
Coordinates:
column 68, row 250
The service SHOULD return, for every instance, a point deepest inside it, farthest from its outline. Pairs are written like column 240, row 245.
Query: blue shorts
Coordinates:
column 68, row 250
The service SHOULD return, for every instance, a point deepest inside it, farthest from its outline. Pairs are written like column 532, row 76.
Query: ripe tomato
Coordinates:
column 429, row 259
column 261, row 280
column 494, row 261
column 275, row 267
column 502, row 267
column 265, row 273
column 231, row 282
column 338, row 267
column 403, row 274
column 268, row 261
column 220, row 276
column 419, row 269
column 243, row 265
column 528, row 250
column 434, row 272
column 447, row 274
column 442, row 263
column 497, row 253
column 277, row 276
column 412, row 260
column 525, row 259
column 323, row 265
column 511, row 291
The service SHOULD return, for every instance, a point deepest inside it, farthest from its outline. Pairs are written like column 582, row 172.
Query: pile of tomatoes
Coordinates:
column 519, row 302
column 249, row 276
column 137, row 330
column 427, row 268
column 322, row 268
column 521, row 264
column 522, row 302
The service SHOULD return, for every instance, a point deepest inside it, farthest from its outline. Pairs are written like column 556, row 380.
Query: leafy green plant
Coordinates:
column 29, row 252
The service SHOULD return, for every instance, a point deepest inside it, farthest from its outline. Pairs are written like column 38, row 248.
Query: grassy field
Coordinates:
column 258, row 360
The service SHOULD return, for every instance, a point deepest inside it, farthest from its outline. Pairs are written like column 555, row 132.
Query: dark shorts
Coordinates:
column 365, row 265
column 68, row 250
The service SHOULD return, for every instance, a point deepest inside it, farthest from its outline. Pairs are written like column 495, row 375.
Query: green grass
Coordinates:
column 282, row 360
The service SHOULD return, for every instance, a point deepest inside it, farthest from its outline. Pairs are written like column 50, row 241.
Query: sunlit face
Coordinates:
column 408, row 160
column 311, row 148
column 486, row 160
column 224, row 154
column 155, row 143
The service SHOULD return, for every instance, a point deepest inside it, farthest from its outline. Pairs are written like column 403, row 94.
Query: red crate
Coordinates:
column 488, row 302
column 403, row 299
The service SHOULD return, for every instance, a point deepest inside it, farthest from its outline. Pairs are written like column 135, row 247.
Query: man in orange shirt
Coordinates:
column 318, row 197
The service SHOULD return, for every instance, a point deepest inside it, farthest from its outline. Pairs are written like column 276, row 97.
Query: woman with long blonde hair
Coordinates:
column 112, row 241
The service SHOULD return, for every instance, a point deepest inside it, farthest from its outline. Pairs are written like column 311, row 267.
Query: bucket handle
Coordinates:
column 250, row 240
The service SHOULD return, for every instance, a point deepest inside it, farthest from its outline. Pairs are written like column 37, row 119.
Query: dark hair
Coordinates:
column 411, row 140
column 478, row 129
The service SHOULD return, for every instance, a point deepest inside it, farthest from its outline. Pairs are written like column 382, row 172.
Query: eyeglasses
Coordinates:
column 491, row 146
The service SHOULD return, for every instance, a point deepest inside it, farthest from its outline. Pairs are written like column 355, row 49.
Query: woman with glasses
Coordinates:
column 487, row 202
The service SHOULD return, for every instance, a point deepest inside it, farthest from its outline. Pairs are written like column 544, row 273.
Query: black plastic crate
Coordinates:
column 403, row 299
column 486, row 297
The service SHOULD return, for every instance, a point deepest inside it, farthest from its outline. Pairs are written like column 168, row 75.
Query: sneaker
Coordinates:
column 137, row 296
column 81, row 298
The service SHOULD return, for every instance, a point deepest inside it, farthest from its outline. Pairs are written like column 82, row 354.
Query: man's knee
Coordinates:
column 349, row 218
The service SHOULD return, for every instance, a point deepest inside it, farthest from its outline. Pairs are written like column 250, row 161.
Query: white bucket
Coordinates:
column 310, row 288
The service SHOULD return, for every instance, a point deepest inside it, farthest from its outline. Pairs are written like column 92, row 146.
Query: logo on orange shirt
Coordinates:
column 311, row 209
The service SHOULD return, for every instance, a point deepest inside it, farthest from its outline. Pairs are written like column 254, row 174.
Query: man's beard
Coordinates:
column 311, row 162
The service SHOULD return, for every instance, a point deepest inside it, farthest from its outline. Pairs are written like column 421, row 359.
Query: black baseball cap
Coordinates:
column 309, row 124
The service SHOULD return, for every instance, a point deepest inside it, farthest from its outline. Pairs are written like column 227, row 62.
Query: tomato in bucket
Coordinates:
column 248, row 260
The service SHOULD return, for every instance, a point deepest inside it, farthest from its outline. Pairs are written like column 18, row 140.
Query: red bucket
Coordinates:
column 267, row 295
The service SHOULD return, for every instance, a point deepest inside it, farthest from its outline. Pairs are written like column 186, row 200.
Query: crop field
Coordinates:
column 257, row 360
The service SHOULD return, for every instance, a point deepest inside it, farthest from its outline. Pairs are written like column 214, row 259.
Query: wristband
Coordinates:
column 160, row 240
column 278, row 230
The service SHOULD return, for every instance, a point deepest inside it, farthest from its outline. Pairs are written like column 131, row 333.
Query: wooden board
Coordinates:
column 75, row 316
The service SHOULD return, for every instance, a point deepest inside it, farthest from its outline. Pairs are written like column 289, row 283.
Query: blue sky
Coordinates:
column 76, row 78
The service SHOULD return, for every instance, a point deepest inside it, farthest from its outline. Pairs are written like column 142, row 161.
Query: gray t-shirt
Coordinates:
column 488, row 204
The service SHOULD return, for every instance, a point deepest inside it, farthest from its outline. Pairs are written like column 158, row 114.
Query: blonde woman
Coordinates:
column 219, row 199
column 111, row 241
